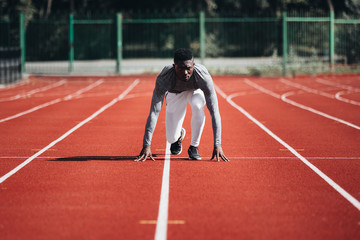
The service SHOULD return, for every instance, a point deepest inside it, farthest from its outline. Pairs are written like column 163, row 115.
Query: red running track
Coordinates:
column 87, row 185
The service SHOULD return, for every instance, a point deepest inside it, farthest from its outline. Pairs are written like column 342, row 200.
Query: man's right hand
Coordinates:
column 144, row 154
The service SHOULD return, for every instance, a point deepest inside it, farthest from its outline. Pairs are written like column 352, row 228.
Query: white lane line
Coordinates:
column 340, row 98
column 262, row 89
column 343, row 86
column 81, row 91
column 284, row 98
column 17, row 84
column 28, row 94
column 162, row 220
column 334, row 185
column 102, row 109
column 349, row 89
column 311, row 90
column 307, row 89
column 68, row 97
column 30, row 110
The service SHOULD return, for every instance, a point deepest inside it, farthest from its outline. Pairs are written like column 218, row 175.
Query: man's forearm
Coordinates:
column 155, row 108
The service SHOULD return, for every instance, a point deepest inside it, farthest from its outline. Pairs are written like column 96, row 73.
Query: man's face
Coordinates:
column 184, row 70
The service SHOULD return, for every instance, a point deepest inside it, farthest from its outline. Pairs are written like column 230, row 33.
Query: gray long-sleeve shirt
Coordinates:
column 166, row 81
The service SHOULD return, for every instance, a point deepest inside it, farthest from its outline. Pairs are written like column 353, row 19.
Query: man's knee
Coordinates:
column 197, row 102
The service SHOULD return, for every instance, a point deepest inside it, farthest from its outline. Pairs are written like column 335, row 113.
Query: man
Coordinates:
column 183, row 83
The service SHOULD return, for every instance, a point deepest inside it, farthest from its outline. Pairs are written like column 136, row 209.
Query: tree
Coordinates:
column 243, row 7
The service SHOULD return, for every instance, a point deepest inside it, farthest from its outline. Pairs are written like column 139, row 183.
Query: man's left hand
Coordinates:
column 218, row 153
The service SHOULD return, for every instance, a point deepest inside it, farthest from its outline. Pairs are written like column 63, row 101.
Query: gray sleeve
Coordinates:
column 163, row 82
column 206, row 84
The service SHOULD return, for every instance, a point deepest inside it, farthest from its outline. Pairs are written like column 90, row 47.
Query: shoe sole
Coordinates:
column 194, row 158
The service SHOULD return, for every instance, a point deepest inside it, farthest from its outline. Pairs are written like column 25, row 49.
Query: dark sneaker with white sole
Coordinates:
column 194, row 153
column 176, row 147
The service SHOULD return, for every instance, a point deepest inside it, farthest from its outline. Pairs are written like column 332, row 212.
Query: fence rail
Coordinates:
column 122, row 45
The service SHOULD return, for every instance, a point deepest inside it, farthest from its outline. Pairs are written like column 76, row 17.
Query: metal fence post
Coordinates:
column 22, row 42
column 71, row 43
column 285, row 42
column 332, row 40
column 202, row 36
column 118, row 42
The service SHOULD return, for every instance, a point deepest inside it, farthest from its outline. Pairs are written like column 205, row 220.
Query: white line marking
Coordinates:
column 349, row 89
column 81, row 91
column 343, row 86
column 68, row 97
column 307, row 89
column 334, row 185
column 284, row 98
column 102, row 109
column 17, row 84
column 340, row 98
column 162, row 220
column 262, row 89
column 28, row 94
column 311, row 90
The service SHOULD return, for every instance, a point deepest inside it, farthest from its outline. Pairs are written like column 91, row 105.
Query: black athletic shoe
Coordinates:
column 194, row 153
column 176, row 147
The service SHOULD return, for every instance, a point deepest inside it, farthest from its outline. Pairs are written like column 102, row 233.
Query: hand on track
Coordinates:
column 144, row 154
column 218, row 153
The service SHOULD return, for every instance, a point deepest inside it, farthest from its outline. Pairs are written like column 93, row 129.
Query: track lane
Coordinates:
column 340, row 112
column 251, row 198
column 27, row 135
column 256, row 198
column 39, row 99
column 4, row 88
column 24, row 86
column 30, row 87
column 351, row 83
column 316, row 136
column 350, row 78
column 71, row 96
column 338, row 94
column 69, row 132
column 96, row 189
column 34, row 91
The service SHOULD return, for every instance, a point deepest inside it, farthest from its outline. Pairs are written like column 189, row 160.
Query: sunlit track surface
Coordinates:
column 78, row 178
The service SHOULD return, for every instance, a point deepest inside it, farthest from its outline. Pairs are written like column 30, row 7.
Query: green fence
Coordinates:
column 124, row 44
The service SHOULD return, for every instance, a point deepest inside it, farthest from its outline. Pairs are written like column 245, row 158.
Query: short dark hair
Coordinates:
column 182, row 54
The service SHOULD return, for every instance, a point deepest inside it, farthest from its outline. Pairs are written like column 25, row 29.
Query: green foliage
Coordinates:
column 47, row 40
column 247, row 34
column 242, row 7
column 347, row 42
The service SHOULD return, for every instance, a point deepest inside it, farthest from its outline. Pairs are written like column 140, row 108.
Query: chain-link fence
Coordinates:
column 10, row 65
column 10, row 52
column 144, row 43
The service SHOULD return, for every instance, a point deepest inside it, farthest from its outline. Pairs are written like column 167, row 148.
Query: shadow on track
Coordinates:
column 158, row 157
column 92, row 158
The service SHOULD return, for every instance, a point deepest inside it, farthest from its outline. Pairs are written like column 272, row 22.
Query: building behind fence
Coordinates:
column 135, row 44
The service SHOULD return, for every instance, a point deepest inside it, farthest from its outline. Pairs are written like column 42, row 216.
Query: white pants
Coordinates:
column 176, row 104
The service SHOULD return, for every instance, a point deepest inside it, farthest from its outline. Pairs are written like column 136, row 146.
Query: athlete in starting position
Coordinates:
column 184, row 83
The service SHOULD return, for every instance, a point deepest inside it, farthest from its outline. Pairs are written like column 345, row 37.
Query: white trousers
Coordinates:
column 176, row 104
